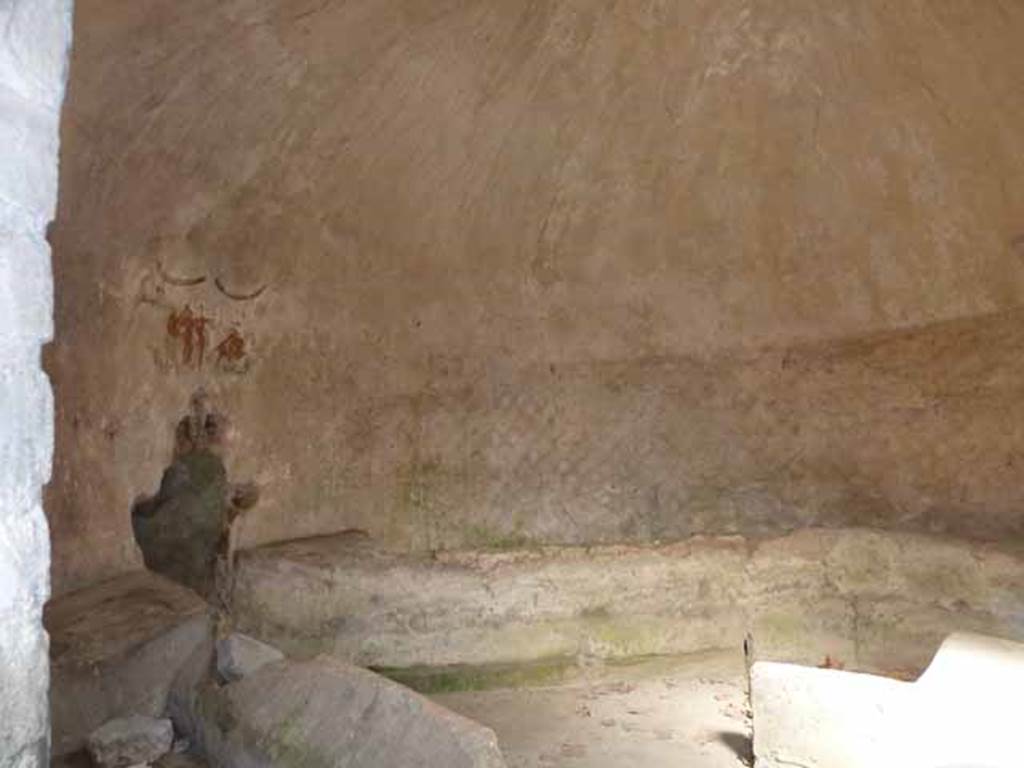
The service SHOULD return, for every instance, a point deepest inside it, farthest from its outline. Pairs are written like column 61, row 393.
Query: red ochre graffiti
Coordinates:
column 232, row 348
column 190, row 329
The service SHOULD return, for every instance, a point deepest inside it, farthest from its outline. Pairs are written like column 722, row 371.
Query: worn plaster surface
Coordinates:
column 467, row 273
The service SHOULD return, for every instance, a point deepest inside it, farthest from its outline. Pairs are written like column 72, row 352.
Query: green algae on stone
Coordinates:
column 456, row 678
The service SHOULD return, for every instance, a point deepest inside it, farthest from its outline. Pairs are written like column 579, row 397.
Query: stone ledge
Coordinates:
column 869, row 600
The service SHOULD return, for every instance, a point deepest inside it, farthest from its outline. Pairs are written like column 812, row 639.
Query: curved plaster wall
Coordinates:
column 465, row 273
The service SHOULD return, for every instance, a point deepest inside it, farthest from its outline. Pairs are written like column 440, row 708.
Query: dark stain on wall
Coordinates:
column 184, row 529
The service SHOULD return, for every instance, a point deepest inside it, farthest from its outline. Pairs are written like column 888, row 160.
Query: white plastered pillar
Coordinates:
column 34, row 40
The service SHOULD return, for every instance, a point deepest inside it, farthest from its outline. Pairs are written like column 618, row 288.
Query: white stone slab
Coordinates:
column 963, row 711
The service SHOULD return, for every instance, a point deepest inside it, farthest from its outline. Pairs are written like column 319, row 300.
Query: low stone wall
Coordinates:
column 863, row 599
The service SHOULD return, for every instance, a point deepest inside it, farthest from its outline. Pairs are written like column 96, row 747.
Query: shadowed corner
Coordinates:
column 740, row 744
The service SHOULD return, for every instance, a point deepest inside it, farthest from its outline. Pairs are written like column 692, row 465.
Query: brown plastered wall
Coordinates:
column 485, row 272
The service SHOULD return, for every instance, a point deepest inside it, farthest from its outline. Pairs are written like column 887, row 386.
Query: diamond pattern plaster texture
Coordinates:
column 34, row 36
column 565, row 271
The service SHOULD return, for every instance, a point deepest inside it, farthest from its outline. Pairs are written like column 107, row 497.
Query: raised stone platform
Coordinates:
column 863, row 599
column 116, row 649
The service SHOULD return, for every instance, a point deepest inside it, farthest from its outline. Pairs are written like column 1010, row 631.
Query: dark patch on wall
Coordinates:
column 184, row 530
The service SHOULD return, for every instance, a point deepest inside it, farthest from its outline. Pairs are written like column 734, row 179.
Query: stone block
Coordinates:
column 239, row 656
column 323, row 712
column 130, row 741
column 117, row 649
column 187, row 687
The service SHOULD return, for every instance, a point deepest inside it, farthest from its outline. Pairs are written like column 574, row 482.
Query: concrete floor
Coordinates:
column 689, row 711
